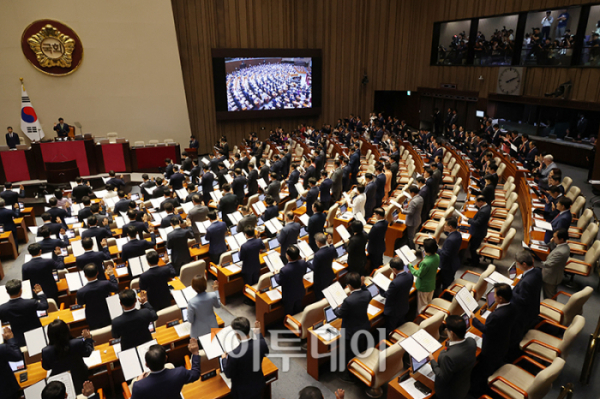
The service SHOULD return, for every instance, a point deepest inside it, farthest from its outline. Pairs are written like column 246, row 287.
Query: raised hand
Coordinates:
column 86, row 334
column 88, row 389
column 37, row 288
column 193, row 346
column 7, row 334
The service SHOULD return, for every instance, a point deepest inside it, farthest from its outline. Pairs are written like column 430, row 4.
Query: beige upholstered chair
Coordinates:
column 502, row 211
column 498, row 252
column 442, row 305
column 264, row 281
column 566, row 183
column 435, row 215
column 190, row 270
column 135, row 284
column 300, row 322
column 52, row 306
column 420, row 237
column 577, row 206
column 367, row 370
column 582, row 224
column 584, row 267
column 431, row 325
column 168, row 141
column 573, row 193
column 496, row 223
column 168, row 314
column 447, row 203
column 495, row 237
column 511, row 381
column 564, row 314
column 447, row 194
column 548, row 347
column 102, row 335
column 480, row 285
column 586, row 240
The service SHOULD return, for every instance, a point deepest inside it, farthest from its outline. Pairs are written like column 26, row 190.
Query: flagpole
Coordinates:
column 22, row 84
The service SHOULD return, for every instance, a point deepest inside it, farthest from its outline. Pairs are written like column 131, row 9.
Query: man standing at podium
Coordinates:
column 61, row 128
column 12, row 139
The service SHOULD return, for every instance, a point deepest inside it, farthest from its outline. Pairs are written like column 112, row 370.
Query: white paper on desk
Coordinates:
column 35, row 341
column 233, row 245
column 382, row 281
column 67, row 380
column 34, row 229
column 379, row 299
column 465, row 300
column 343, row 232
column 275, row 263
column 212, row 349
column 135, row 265
column 156, row 202
column 542, row 224
column 187, row 207
column 336, row 266
column 304, row 219
column 373, row 310
column 274, row 295
column 164, row 232
column 539, row 247
column 78, row 314
column 240, row 238
column 310, row 277
column 189, row 293
column 235, row 217
column 259, row 207
column 478, row 340
column 277, row 224
column 181, row 193
column 496, row 277
column 183, row 329
column 269, row 225
column 414, row 349
column 121, row 271
column 35, row 391
column 27, row 292
column 427, row 341
column 74, row 281
column 335, row 294
column 130, row 363
column 233, row 268
column 228, row 339
column 201, row 227
column 179, row 298
column 114, row 307
column 93, row 360
column 305, row 249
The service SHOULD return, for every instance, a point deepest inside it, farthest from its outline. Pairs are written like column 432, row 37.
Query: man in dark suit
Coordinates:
column 186, row 161
column 311, row 171
column 215, row 235
column 81, row 190
column 478, row 227
column 454, row 365
column 276, row 167
column 93, row 295
column 207, row 184
column 337, row 181
column 155, row 281
column 166, row 383
column 168, row 168
column 166, row 221
column 227, row 204
column 238, row 162
column 22, row 313
column 526, row 299
column 489, row 190
column 9, row 196
column 9, row 352
column 249, row 219
column 55, row 211
column 86, row 211
column 61, row 128
column 168, row 199
column 272, row 210
column 244, row 366
column 371, row 194
column 249, row 254
column 396, row 303
column 195, row 172
column 119, row 183
column 177, row 242
column 355, row 164
column 135, row 247
column 12, row 139
column 213, row 163
column 252, row 180
column 311, row 195
column 286, row 161
column 92, row 257
column 147, row 184
column 132, row 325
column 376, row 246
column 321, row 266
column 288, row 235
column 99, row 233
column 290, row 278
column 379, row 185
column 316, row 224
column 53, row 225
column 274, row 188
column 140, row 225
column 264, row 171
column 449, row 259
column 39, row 270
column 50, row 244
column 346, row 172
column 122, row 204
column 496, row 337
column 355, row 318
column 177, row 178
column 325, row 190
column 562, row 220
column 237, row 185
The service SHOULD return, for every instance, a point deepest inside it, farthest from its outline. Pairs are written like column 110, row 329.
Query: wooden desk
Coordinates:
column 28, row 214
column 22, row 235
column 216, row 388
column 8, row 245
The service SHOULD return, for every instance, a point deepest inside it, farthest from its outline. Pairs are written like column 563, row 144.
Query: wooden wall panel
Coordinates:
column 389, row 40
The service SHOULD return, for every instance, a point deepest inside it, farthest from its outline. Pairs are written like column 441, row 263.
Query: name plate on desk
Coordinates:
column 172, row 323
column 209, row 375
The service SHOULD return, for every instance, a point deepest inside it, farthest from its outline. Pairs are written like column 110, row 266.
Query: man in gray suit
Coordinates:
column 249, row 219
column 413, row 215
column 553, row 268
column 288, row 235
column 273, row 188
column 336, row 177
column 198, row 213
column 454, row 365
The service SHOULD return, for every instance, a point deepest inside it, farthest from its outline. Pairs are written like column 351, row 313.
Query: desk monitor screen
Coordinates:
column 274, row 283
column 151, row 327
column 233, row 230
column 479, row 114
column 417, row 365
column 17, row 366
column 299, row 203
column 203, row 240
column 184, row 314
column 235, row 257
column 395, row 215
column 135, row 197
column 490, row 299
column 21, row 206
column 261, row 197
column 70, row 233
column 341, row 251
column 274, row 243
column 1, row 229
column 260, row 222
column 330, row 314
column 343, row 208
column 512, row 271
column 467, row 320
column 71, row 220
column 303, row 232
column 373, row 290
column 222, row 363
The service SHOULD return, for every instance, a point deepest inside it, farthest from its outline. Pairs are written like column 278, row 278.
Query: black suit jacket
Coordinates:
column 316, row 224
column 155, row 282
column 396, row 304
column 135, row 248
column 247, row 382
column 39, row 271
column 496, row 336
column 71, row 361
column 166, row 221
column 132, row 326
column 177, row 180
column 6, row 219
column 122, row 205
column 10, row 197
column 228, row 204
column 83, row 214
column 12, row 141
column 237, row 186
column 81, row 191
column 453, row 370
column 249, row 254
column 50, row 244
column 310, row 172
column 293, row 179
column 288, row 236
column 95, row 257
column 478, row 226
column 9, row 352
column 354, row 312
column 526, row 299
column 376, row 245
column 311, row 197
column 22, row 315
column 93, row 295
column 177, row 243
column 357, row 257
column 169, row 200
column 290, row 277
column 99, row 233
column 323, row 273
column 252, row 182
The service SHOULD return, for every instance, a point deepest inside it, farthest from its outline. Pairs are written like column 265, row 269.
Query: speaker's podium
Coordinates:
column 61, row 172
